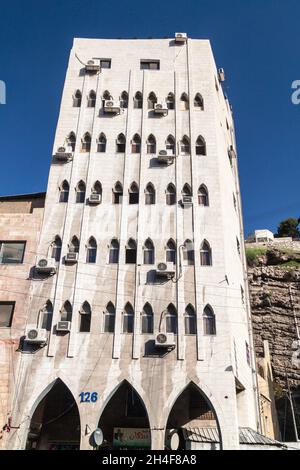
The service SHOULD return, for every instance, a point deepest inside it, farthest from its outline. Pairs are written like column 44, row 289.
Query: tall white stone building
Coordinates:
column 142, row 323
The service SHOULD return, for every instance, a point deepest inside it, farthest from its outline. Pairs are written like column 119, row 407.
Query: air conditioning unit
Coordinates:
column 63, row 154
column 165, row 270
column 92, row 65
column 63, row 326
column 95, row 198
column 165, row 340
column 187, row 201
column 45, row 266
column 71, row 257
column 221, row 73
column 35, row 335
column 111, row 106
column 231, row 152
column 165, row 156
column 180, row 38
column 160, row 108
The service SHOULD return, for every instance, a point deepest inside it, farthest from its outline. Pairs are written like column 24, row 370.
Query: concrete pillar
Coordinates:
column 157, row 439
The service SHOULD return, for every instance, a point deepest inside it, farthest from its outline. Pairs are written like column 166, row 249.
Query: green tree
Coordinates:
column 289, row 228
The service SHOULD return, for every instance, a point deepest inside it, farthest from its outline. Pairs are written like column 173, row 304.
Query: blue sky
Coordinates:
column 256, row 41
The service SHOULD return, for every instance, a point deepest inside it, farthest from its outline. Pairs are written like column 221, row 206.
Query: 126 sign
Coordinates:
column 88, row 397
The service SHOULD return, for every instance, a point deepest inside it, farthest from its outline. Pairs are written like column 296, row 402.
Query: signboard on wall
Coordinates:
column 132, row 438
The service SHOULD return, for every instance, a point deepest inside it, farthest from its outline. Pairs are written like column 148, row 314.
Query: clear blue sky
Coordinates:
column 256, row 41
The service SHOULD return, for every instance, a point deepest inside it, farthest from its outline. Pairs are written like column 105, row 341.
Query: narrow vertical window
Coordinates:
column 101, row 148
column 171, row 195
column 149, row 253
column 47, row 314
column 66, row 312
column 152, row 100
column 151, row 144
column 74, row 245
column 91, row 102
column 124, row 100
column 109, row 318
column 171, row 252
column 136, row 144
column 97, row 189
column 86, row 143
column 190, row 321
column 71, row 141
column 185, row 146
column 128, row 319
column 149, row 194
column 56, row 249
column 85, row 318
column 147, row 319
column 184, row 102
column 205, row 254
column 198, row 102
column 118, row 193
column 170, row 101
column 188, row 253
column 77, row 99
column 131, row 251
column 64, row 192
column 121, row 144
column 200, row 146
column 138, row 100
column 209, row 321
column 114, row 252
column 171, row 319
column 91, row 251
column 134, row 194
column 170, row 144
column 80, row 193
column 203, row 196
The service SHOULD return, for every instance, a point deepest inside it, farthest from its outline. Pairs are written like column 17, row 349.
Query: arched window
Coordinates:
column 109, row 318
column 200, row 146
column 170, row 144
column 118, row 193
column 101, row 147
column 151, row 100
column 86, row 143
column 66, row 312
column 130, row 256
column 106, row 96
column 97, row 188
column 56, row 249
column 64, row 192
column 80, row 192
column 47, row 314
column 121, row 143
column 188, row 253
column 186, row 190
column 205, row 254
column 151, row 144
column 170, row 101
column 134, row 194
column 190, row 322
column 91, row 251
column 128, row 318
column 85, row 318
column 184, row 102
column 136, row 144
column 185, row 146
column 171, row 252
column 138, row 100
column 203, row 199
column 171, row 195
column 91, row 102
column 114, row 252
column 171, row 319
column 124, row 100
column 147, row 319
column 71, row 141
column 209, row 321
column 74, row 245
column 149, row 194
column 198, row 102
column 149, row 252
column 77, row 99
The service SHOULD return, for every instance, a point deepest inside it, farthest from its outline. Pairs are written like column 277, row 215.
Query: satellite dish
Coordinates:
column 174, row 441
column 98, row 437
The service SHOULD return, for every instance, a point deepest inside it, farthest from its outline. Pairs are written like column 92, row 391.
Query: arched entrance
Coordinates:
column 124, row 421
column 55, row 423
column 193, row 418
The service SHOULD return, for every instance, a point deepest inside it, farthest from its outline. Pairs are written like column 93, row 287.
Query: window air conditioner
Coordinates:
column 63, row 326
column 35, row 335
column 71, row 257
column 45, row 266
column 165, row 340
column 95, row 198
column 160, row 108
column 221, row 73
column 165, row 270
column 63, row 154
column 111, row 107
column 180, row 38
column 187, row 201
column 93, row 65
column 165, row 156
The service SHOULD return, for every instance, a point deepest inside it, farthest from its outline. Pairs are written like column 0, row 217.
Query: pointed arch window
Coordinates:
column 171, row 252
column 131, row 250
column 205, row 254
column 128, row 319
column 74, row 245
column 138, row 100
column 91, row 251
column 171, row 319
column 150, row 194
column 186, row 190
column 124, row 100
column 151, row 144
column 190, row 322
column 184, row 102
column 56, row 249
column 109, row 318
column 147, row 319
column 86, row 143
column 71, row 141
column 121, row 143
column 114, row 251
column 80, row 192
column 101, row 147
column 209, row 321
column 152, row 100
column 149, row 252
column 203, row 199
column 171, row 195
column 170, row 144
column 171, row 101
column 198, row 102
column 91, row 102
column 188, row 253
column 134, row 194
column 64, row 192
column 136, row 144
column 106, row 96
column 77, row 98
column 200, row 146
column 85, row 318
column 66, row 312
column 118, row 193
column 185, row 147
column 97, row 189
column 47, row 315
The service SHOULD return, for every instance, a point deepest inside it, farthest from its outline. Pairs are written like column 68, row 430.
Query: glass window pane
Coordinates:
column 109, row 323
column 11, row 252
column 6, row 313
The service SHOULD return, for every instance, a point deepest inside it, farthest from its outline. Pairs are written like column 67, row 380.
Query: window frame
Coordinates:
column 109, row 61
column 147, row 64
column 24, row 242
column 13, row 305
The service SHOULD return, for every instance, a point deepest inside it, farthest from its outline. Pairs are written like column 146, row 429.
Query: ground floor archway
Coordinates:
column 55, row 423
